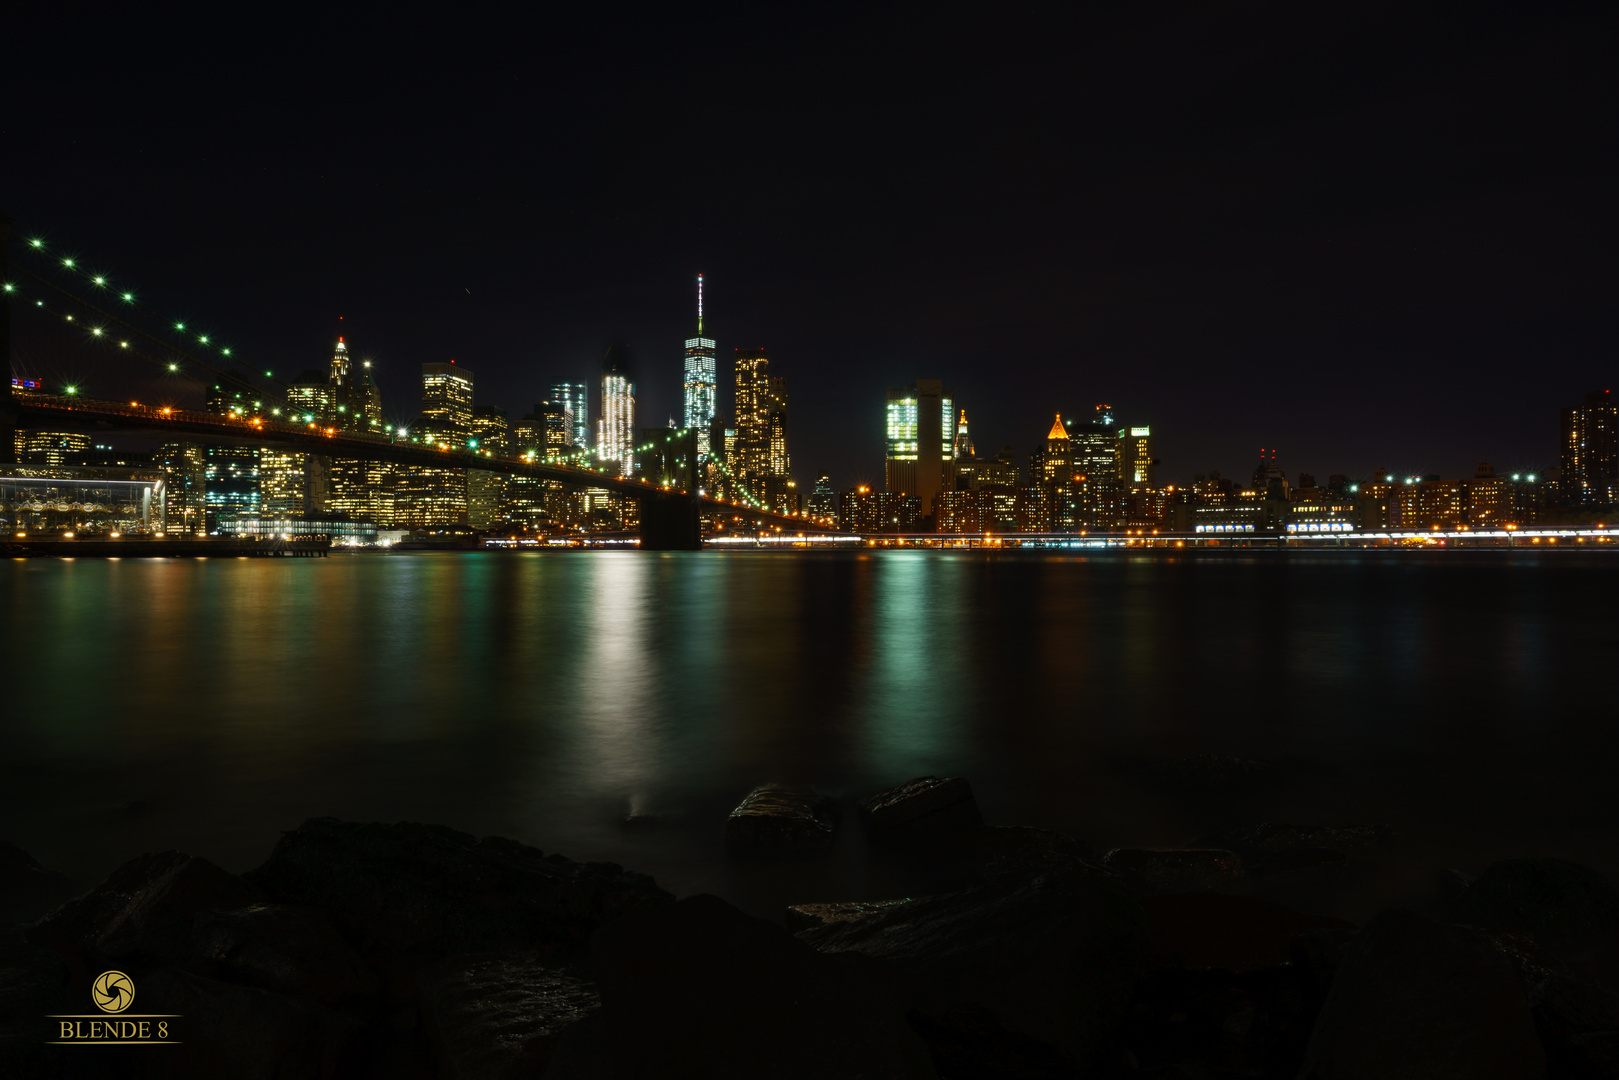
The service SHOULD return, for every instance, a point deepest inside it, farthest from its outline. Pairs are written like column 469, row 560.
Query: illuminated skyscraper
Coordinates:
column 185, row 486
column 574, row 397
column 777, row 460
column 1057, row 462
column 1136, row 463
column 365, row 400
column 310, row 399
column 230, row 483
column 341, row 373
column 281, row 482
column 702, row 380
column 920, row 456
column 1093, row 451
column 615, row 443
column 752, row 414
column 1591, row 451
column 964, row 443
column 447, row 399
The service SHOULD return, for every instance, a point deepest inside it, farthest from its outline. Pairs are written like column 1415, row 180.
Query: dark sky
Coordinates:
column 1367, row 234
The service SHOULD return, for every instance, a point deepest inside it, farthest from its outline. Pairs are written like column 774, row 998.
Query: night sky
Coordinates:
column 1369, row 235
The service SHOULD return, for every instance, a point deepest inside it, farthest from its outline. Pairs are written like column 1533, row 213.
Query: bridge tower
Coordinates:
column 669, row 522
column 8, row 408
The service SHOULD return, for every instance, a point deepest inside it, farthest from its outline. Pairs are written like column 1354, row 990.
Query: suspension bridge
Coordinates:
column 669, row 518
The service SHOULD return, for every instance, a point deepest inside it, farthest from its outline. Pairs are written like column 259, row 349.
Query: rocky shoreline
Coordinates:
column 415, row 951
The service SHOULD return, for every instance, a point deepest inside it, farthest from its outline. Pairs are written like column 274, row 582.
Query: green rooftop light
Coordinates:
column 129, row 298
column 70, row 389
column 101, row 281
column 179, row 326
column 37, row 243
column 67, row 262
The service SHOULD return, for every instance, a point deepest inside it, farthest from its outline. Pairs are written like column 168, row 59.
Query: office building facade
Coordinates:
column 920, row 455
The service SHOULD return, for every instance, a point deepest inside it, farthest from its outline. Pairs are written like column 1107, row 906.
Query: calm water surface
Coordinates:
column 615, row 705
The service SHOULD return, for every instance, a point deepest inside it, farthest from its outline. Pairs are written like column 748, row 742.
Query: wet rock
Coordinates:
column 698, row 989
column 805, row 916
column 422, row 892
column 1271, row 849
column 1179, row 869
column 1452, row 883
column 1569, row 908
column 1214, row 1023
column 1416, row 998
column 1598, row 1056
column 245, row 1033
column 1044, row 962
column 145, row 910
column 1257, row 842
column 779, row 821
column 1319, row 954
column 1227, row 994
column 967, row 1042
column 281, row 947
column 1239, row 934
column 1008, row 848
column 924, row 805
column 1566, row 1008
column 27, row 888
column 499, row 1016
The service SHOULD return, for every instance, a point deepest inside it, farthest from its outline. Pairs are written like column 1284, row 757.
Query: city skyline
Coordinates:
column 1337, row 231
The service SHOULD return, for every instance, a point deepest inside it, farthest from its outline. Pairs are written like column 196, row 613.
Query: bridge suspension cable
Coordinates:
column 168, row 361
column 194, row 338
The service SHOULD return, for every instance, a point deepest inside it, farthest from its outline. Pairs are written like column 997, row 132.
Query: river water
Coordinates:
column 615, row 705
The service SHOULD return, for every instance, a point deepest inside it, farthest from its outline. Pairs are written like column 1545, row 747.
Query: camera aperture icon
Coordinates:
column 113, row 991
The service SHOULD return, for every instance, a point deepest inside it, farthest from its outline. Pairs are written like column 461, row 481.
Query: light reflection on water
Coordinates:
column 210, row 704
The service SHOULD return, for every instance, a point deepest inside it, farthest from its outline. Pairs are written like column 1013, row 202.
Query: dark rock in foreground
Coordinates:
column 805, row 916
column 498, row 1016
column 1179, row 869
column 1240, row 934
column 280, row 947
column 698, row 989
column 1417, row 999
column 32, row 982
column 422, row 892
column 779, row 821
column 27, row 888
column 1017, row 973
column 145, row 912
column 1569, row 908
column 246, row 1033
column 922, row 806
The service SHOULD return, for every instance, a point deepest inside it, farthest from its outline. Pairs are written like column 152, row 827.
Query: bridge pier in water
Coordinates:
column 669, row 522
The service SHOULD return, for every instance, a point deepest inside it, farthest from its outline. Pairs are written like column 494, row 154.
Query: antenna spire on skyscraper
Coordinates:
column 699, row 305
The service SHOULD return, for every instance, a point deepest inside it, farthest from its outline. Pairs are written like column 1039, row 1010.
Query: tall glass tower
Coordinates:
column 702, row 380
column 574, row 399
column 616, row 441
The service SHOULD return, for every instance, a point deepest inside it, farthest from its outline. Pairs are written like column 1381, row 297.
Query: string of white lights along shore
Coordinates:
column 103, row 282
